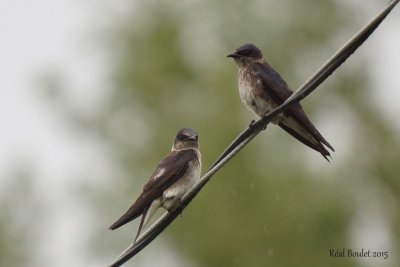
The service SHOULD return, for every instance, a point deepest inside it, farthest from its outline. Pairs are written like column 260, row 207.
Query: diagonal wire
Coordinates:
column 249, row 133
column 154, row 230
column 318, row 77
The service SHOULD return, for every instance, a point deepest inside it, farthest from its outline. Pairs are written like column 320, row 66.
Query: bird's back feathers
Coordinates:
column 171, row 168
column 274, row 87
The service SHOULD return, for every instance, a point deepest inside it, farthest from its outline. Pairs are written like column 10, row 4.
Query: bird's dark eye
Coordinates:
column 245, row 52
column 181, row 137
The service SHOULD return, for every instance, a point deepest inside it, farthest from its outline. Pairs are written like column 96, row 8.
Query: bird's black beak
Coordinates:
column 233, row 55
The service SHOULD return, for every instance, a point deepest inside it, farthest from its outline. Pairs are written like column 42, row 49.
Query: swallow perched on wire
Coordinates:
column 262, row 89
column 173, row 177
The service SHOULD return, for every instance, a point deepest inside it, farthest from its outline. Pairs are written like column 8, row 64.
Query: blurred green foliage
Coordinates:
column 267, row 207
column 22, row 212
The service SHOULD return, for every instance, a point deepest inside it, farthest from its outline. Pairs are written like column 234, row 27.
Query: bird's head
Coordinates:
column 186, row 138
column 246, row 54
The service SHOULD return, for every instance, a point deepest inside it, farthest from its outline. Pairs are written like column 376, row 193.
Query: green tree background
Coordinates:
column 277, row 203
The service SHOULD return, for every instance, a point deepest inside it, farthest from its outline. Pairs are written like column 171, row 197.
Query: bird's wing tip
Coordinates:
column 113, row 226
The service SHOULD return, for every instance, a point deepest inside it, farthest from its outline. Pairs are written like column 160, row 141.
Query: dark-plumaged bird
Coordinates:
column 262, row 89
column 173, row 177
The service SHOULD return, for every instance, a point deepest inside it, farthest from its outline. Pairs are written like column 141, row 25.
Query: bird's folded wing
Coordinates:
column 170, row 169
column 276, row 88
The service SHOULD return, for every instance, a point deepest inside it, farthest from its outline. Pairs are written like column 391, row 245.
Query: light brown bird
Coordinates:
column 172, row 178
column 262, row 89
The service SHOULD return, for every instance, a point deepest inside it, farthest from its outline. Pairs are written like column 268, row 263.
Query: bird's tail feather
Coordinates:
column 128, row 216
column 147, row 215
column 141, row 224
column 307, row 139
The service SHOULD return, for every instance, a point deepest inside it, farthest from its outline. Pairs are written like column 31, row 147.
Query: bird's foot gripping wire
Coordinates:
column 252, row 125
column 177, row 204
column 180, row 206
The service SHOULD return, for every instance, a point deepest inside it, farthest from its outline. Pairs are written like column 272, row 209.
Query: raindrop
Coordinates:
column 266, row 230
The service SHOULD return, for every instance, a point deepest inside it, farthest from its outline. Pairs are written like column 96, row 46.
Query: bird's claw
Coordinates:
column 253, row 122
column 251, row 125
column 178, row 205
